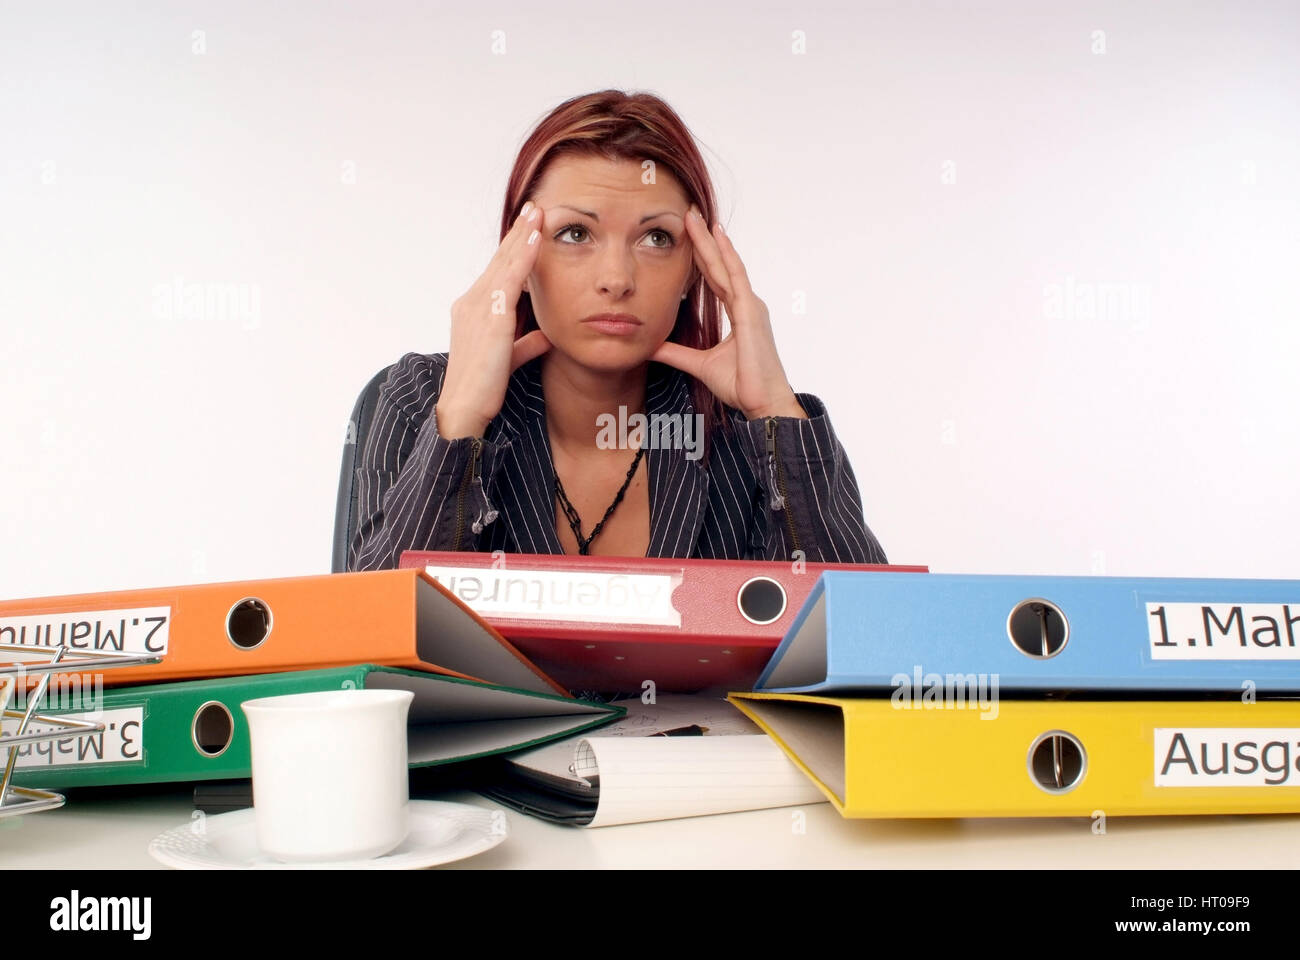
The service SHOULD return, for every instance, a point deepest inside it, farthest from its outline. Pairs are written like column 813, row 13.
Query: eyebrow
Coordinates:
column 594, row 216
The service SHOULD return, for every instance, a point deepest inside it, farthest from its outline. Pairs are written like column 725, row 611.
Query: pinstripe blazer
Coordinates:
column 758, row 498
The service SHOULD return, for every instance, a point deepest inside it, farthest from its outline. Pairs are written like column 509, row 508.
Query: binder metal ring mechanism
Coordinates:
column 16, row 801
column 1038, row 628
column 1057, row 761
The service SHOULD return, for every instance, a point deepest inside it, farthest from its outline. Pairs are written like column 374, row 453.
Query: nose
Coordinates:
column 616, row 273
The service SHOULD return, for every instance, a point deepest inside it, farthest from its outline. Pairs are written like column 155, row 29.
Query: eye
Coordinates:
column 667, row 241
column 670, row 241
column 569, row 227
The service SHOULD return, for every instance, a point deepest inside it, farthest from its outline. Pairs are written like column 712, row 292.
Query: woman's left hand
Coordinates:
column 743, row 371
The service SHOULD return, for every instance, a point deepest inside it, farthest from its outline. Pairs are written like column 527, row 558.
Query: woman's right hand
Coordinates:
column 484, row 352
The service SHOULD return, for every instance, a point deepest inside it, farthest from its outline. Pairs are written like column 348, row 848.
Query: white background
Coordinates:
column 934, row 177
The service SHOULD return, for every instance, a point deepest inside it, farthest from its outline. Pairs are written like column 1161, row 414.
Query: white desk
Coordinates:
column 115, row 833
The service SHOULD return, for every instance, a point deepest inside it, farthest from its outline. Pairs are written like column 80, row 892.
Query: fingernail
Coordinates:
column 527, row 207
column 719, row 226
column 532, row 237
column 535, row 215
column 694, row 212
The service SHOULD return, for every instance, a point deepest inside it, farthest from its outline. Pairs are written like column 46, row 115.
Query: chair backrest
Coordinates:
column 345, row 511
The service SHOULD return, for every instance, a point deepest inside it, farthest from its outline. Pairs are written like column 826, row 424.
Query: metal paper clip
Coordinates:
column 15, row 801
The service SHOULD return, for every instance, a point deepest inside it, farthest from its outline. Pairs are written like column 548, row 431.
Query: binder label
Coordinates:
column 1224, row 631
column 581, row 596
column 118, row 742
column 1227, row 756
column 135, row 630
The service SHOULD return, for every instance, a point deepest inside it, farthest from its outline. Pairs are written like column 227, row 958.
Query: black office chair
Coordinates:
column 345, row 511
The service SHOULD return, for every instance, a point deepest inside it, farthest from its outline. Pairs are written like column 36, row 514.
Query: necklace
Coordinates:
column 575, row 522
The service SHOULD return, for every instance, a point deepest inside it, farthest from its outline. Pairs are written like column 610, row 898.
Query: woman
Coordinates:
column 604, row 301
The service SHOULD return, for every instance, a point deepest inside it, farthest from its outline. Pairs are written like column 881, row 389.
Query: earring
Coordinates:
column 683, row 296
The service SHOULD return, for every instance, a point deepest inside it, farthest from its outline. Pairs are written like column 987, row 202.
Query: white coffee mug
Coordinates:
column 330, row 779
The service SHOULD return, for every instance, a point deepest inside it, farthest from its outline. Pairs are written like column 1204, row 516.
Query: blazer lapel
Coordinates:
column 528, row 495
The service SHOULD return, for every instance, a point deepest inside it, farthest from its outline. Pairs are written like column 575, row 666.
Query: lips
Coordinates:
column 613, row 317
column 614, row 324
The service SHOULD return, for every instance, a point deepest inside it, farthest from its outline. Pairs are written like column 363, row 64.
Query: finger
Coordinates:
column 731, row 260
column 517, row 235
column 518, row 256
column 687, row 359
column 523, row 256
column 528, row 347
column 708, row 256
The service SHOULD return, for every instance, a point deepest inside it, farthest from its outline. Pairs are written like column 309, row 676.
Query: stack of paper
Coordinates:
column 712, row 760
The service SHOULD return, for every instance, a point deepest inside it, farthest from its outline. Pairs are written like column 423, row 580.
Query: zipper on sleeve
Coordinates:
column 776, row 481
column 467, row 482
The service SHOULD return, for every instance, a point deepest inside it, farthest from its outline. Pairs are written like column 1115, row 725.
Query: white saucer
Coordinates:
column 440, row 833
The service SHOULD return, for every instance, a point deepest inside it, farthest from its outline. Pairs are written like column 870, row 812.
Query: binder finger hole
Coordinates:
column 213, row 729
column 248, row 623
column 1038, row 628
column 1057, row 761
column 761, row 600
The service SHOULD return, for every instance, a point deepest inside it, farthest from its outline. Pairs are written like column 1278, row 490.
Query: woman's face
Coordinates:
column 610, row 244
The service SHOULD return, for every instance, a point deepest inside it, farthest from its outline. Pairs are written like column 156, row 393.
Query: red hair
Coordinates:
column 622, row 126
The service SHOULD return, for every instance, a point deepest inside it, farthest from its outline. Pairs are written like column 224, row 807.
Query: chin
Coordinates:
column 613, row 355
